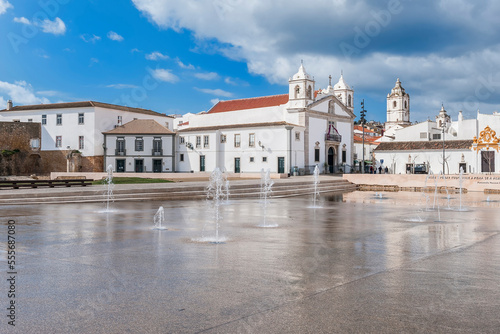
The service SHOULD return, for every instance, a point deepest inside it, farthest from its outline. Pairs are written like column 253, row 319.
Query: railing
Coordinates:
column 337, row 138
column 157, row 152
column 120, row 152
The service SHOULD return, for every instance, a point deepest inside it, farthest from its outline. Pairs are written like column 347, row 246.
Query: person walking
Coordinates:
column 386, row 171
column 380, row 169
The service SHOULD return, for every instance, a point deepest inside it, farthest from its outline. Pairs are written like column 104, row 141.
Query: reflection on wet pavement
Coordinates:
column 357, row 264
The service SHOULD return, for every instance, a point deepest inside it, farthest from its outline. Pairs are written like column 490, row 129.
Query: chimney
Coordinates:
column 9, row 105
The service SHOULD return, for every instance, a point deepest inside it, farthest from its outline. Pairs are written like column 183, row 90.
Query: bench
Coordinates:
column 45, row 183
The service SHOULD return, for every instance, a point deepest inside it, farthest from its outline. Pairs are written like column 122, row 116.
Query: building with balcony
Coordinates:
column 76, row 128
column 141, row 146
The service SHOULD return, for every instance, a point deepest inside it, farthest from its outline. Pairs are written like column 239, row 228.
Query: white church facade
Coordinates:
column 439, row 146
column 283, row 133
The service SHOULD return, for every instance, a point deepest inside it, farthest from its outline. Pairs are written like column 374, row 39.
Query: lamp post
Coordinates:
column 363, row 121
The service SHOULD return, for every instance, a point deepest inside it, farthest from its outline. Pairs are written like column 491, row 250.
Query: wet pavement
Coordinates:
column 362, row 263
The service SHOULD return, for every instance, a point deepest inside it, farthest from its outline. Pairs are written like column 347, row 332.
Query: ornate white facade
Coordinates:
column 303, row 128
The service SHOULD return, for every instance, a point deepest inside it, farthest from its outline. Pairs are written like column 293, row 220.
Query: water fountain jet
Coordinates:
column 159, row 219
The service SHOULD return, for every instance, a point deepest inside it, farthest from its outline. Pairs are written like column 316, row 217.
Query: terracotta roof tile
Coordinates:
column 424, row 145
column 140, row 126
column 83, row 104
column 368, row 139
column 251, row 103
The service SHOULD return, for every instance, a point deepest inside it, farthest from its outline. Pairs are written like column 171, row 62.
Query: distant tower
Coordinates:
column 443, row 119
column 344, row 93
column 301, row 89
column 398, row 107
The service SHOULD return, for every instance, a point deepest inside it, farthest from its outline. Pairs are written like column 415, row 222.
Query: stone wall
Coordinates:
column 56, row 161
column 16, row 155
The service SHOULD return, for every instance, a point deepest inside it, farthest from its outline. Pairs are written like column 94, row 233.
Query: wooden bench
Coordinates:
column 45, row 183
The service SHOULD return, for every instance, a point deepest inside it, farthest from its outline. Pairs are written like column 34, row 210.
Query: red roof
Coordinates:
column 368, row 139
column 251, row 103
column 360, row 128
column 185, row 123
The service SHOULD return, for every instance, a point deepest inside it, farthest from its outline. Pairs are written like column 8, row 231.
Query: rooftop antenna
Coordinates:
column 329, row 80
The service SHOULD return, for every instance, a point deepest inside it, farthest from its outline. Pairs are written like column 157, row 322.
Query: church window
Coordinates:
column 316, row 155
column 349, row 101
column 309, row 92
column 394, row 104
column 423, row 135
column 436, row 136
column 297, row 91
column 297, row 135
column 440, row 123
column 406, row 105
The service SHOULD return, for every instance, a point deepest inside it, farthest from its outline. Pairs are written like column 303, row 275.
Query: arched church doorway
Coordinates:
column 331, row 158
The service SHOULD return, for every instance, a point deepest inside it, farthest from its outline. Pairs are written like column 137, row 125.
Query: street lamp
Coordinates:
column 363, row 122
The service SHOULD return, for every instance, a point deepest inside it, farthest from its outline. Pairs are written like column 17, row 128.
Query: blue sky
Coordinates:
column 182, row 56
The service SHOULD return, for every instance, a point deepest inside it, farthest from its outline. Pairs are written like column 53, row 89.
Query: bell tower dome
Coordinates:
column 398, row 107
column 300, row 89
column 344, row 93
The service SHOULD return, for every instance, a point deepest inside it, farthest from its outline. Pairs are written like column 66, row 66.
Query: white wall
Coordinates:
column 275, row 142
column 146, row 154
column 70, row 130
column 399, row 159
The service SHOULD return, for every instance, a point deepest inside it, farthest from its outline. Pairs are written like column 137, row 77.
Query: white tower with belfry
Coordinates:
column 398, row 107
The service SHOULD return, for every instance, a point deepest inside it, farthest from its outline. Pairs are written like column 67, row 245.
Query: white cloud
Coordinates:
column 22, row 20
column 214, row 101
column 184, row 66
column 217, row 92
column 20, row 92
column 48, row 92
column 164, row 75
column 90, row 38
column 4, row 5
column 114, row 36
column 93, row 61
column 156, row 56
column 121, row 86
column 41, row 53
column 434, row 67
column 135, row 50
column 207, row 76
column 56, row 27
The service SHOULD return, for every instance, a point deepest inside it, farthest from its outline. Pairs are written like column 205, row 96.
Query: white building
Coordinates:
column 77, row 126
column 440, row 146
column 303, row 128
column 141, row 145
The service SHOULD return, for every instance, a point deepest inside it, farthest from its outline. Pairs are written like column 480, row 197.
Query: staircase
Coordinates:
column 169, row 191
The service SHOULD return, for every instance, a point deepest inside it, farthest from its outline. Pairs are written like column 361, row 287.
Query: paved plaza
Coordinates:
column 362, row 263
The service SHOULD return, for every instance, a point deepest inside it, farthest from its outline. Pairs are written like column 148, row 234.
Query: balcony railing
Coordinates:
column 337, row 138
column 120, row 152
column 157, row 152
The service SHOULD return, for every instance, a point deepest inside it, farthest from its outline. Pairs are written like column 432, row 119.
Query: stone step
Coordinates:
column 178, row 193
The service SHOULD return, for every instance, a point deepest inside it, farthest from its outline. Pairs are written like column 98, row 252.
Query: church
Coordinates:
column 286, row 133
column 439, row 146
